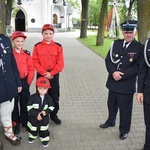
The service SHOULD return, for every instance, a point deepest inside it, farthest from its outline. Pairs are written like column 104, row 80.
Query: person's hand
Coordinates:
column 39, row 117
column 19, row 89
column 43, row 113
column 117, row 75
column 48, row 75
column 139, row 97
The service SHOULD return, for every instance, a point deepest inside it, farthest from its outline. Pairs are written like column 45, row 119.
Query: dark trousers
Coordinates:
column 147, row 124
column 20, row 114
column 124, row 103
column 54, row 93
column 40, row 128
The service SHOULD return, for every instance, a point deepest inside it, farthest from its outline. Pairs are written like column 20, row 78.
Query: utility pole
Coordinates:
column 115, row 21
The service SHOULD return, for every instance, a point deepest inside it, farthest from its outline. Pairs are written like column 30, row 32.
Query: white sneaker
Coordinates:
column 30, row 140
column 45, row 144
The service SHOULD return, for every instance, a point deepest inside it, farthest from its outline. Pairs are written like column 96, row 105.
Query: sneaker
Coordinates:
column 56, row 120
column 30, row 140
column 45, row 144
column 1, row 146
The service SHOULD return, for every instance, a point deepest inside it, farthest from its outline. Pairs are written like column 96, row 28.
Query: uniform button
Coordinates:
column 2, row 55
column 121, row 56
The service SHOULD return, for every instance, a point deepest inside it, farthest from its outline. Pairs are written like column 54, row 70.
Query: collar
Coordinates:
column 44, row 42
column 21, row 51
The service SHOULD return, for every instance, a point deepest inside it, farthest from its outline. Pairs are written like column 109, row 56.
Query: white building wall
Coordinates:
column 42, row 11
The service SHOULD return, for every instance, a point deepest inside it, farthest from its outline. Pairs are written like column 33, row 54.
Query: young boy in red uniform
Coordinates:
column 26, row 71
column 48, row 61
column 39, row 107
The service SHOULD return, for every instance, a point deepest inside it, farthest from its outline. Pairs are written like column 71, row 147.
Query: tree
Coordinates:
column 101, row 27
column 93, row 17
column 144, row 19
column 2, row 16
column 6, row 7
column 84, row 18
column 5, row 14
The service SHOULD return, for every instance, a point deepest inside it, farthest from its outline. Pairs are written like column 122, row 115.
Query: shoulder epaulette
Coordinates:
column 37, row 43
column 27, row 52
column 57, row 43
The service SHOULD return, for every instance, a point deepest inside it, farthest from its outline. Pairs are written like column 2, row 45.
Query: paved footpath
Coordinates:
column 83, row 104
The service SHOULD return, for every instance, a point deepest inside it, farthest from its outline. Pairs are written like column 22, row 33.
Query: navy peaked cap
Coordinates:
column 129, row 25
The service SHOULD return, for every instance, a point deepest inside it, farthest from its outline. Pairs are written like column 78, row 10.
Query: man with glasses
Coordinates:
column 122, row 63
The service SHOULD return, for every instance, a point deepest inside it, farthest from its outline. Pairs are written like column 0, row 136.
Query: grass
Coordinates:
column 90, row 42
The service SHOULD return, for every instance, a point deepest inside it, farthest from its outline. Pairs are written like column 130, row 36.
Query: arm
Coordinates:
column 31, row 108
column 109, row 65
column 117, row 75
column 30, row 69
column 50, row 106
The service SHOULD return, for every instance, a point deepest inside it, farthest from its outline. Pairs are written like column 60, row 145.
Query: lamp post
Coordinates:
column 55, row 1
column 69, row 12
column 19, row 2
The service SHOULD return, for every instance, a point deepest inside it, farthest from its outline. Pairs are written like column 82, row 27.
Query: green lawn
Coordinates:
column 90, row 42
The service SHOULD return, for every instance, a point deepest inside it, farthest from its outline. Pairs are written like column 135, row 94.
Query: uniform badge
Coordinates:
column 131, row 56
column 131, row 59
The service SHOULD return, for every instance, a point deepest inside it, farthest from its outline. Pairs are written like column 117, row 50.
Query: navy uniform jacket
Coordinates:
column 144, row 76
column 9, row 75
column 129, row 61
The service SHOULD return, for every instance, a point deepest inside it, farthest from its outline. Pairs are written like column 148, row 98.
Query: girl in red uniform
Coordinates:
column 26, row 71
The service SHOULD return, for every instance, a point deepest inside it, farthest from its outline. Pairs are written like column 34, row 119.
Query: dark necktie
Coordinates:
column 125, row 46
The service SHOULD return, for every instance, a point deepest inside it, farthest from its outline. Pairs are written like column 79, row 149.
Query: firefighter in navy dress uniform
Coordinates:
column 143, row 91
column 122, row 63
column 10, row 85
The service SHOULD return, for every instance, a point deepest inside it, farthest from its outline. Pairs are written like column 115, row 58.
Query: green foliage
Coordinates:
column 94, row 8
column 100, row 50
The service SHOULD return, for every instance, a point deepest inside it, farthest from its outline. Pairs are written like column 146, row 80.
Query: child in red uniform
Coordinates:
column 49, row 62
column 26, row 71
column 39, row 107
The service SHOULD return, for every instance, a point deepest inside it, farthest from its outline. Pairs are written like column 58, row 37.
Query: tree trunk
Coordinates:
column 144, row 20
column 84, row 18
column 2, row 17
column 101, row 27
column 8, row 11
